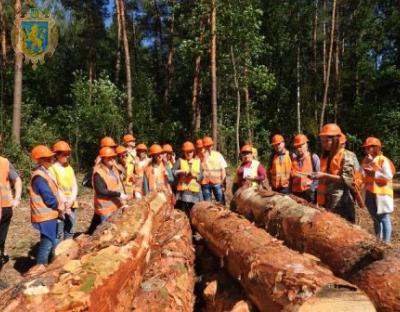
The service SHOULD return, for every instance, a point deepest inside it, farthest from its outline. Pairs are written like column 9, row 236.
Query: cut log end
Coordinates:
column 338, row 299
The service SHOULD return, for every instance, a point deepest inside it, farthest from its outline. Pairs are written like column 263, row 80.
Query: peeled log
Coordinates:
column 102, row 273
column 343, row 247
column 274, row 277
column 168, row 284
column 381, row 281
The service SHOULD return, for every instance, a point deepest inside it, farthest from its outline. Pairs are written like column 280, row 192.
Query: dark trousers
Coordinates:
column 308, row 195
column 185, row 207
column 283, row 190
column 7, row 213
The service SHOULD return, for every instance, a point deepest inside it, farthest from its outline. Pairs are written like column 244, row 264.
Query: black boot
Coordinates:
column 3, row 258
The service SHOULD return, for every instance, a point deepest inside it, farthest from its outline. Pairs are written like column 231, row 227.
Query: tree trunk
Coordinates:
column 170, row 58
column 343, row 247
column 127, row 67
column 18, row 67
column 3, row 65
column 381, row 281
column 158, row 45
column 315, row 27
column 274, row 277
column 298, row 88
column 324, row 40
column 238, row 102
column 325, row 99
column 337, row 68
column 169, row 279
column 119, row 39
column 214, row 91
column 247, row 104
column 101, row 272
column 196, row 111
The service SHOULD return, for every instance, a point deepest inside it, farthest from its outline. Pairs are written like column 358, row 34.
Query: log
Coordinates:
column 343, row 247
column 102, row 273
column 274, row 277
column 381, row 281
column 168, row 284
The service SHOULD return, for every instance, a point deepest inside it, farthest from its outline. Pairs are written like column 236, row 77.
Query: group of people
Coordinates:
column 126, row 172
column 335, row 180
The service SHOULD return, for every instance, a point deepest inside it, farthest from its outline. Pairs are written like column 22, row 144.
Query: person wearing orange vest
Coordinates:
column 68, row 189
column 378, row 184
column 199, row 150
column 280, row 166
column 45, row 203
column 141, row 162
column 8, row 178
column 337, row 174
column 125, row 170
column 214, row 172
column 303, row 165
column 250, row 169
column 108, row 189
column 156, row 175
column 189, row 173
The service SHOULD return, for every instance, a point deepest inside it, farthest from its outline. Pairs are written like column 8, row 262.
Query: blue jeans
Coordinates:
column 216, row 189
column 283, row 190
column 382, row 223
column 65, row 228
column 46, row 247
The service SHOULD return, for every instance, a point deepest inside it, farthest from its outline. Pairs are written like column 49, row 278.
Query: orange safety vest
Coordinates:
column 212, row 171
column 5, row 186
column 139, row 172
column 39, row 211
column 335, row 168
column 188, row 182
column 157, row 181
column 280, row 170
column 374, row 185
column 301, row 183
column 107, row 205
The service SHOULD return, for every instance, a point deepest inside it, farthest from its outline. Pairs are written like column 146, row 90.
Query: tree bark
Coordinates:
column 343, row 247
column 158, row 44
column 238, row 102
column 170, row 58
column 18, row 68
column 324, row 41
column 127, row 67
column 196, row 111
column 214, row 91
column 274, row 277
column 3, row 31
column 169, row 279
column 325, row 99
column 246, row 92
column 101, row 272
column 315, row 27
column 381, row 282
column 119, row 39
column 298, row 89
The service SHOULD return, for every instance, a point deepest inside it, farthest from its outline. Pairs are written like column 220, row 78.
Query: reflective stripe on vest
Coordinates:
column 5, row 187
column 376, row 185
column 301, row 183
column 334, row 168
column 107, row 205
column 39, row 211
column 253, row 172
column 65, row 177
column 280, row 170
column 188, row 183
column 156, row 177
column 212, row 171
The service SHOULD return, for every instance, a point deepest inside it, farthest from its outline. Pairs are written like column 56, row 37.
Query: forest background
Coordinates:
column 158, row 68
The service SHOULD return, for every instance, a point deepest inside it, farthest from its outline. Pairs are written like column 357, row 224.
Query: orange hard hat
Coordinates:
column 107, row 142
column 300, row 139
column 199, row 143
column 372, row 141
column 343, row 138
column 61, row 146
column 330, row 129
column 247, row 148
column 107, row 151
column 128, row 138
column 207, row 141
column 141, row 147
column 120, row 150
column 167, row 148
column 41, row 151
column 277, row 139
column 155, row 149
column 187, row 146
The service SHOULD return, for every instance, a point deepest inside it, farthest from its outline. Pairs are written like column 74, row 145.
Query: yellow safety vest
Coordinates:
column 189, row 183
column 212, row 170
column 65, row 177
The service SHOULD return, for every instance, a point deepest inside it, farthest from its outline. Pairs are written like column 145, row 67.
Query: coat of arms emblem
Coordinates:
column 35, row 35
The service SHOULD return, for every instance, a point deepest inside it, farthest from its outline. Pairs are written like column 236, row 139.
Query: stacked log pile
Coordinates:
column 274, row 277
column 98, row 273
column 168, row 283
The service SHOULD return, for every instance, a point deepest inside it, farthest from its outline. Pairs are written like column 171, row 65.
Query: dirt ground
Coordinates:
column 23, row 239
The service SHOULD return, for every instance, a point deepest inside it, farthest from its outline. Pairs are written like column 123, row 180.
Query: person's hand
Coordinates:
column 68, row 204
column 317, row 175
column 123, row 196
column 368, row 169
column 16, row 202
column 68, row 211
